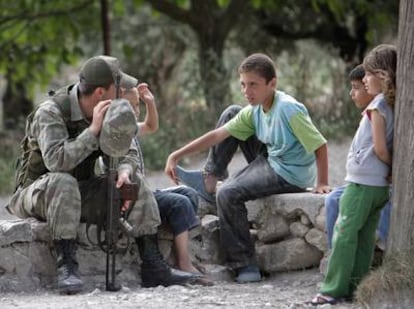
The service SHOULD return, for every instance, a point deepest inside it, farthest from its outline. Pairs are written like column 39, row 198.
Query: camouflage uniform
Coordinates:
column 59, row 184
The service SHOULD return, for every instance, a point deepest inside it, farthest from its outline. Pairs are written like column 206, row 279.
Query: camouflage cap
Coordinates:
column 118, row 128
column 103, row 70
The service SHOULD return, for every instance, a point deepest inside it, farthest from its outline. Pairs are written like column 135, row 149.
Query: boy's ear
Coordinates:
column 273, row 82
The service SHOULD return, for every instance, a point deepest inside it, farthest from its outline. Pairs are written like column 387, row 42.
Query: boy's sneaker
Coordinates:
column 248, row 274
column 195, row 180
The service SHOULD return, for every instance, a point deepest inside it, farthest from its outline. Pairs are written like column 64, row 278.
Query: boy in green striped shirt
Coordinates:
column 284, row 150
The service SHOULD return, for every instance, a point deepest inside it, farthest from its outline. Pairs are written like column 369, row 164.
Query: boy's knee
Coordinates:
column 232, row 110
column 188, row 192
column 226, row 194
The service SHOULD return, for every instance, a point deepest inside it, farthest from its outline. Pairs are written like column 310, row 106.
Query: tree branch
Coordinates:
column 233, row 14
column 174, row 11
column 25, row 15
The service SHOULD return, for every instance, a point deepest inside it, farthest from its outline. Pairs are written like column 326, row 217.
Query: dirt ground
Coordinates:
column 283, row 290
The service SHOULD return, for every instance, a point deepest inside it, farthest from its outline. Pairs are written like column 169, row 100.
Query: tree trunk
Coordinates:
column 212, row 23
column 215, row 78
column 16, row 104
column 401, row 235
column 392, row 285
column 106, row 28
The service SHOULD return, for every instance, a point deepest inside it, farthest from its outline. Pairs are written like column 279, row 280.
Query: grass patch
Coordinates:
column 395, row 276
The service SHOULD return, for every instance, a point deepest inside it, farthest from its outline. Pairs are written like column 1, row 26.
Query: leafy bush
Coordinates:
column 8, row 155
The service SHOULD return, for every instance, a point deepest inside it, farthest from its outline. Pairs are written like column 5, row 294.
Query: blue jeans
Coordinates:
column 220, row 155
column 178, row 208
column 332, row 210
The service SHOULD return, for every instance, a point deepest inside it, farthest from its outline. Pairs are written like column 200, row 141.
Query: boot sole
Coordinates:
column 70, row 290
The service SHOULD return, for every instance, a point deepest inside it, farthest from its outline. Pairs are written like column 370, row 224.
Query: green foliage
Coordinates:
column 10, row 146
column 318, row 78
column 37, row 37
column 223, row 2
column 349, row 26
column 163, row 52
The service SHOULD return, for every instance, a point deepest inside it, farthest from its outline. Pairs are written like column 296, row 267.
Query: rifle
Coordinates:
column 114, row 216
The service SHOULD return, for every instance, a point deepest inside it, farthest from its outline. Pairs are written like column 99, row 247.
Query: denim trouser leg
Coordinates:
column 221, row 154
column 178, row 208
column 384, row 223
column 331, row 211
column 256, row 180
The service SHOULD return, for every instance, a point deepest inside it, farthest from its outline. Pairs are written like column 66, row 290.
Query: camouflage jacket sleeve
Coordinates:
column 131, row 161
column 60, row 152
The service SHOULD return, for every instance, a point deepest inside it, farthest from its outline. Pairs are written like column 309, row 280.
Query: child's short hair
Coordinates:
column 357, row 73
column 260, row 64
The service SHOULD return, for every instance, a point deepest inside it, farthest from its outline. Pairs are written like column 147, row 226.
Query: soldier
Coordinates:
column 56, row 181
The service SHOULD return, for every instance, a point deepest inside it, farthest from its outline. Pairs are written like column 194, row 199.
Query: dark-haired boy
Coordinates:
column 281, row 146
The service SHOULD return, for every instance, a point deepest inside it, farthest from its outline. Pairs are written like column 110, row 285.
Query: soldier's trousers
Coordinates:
column 63, row 202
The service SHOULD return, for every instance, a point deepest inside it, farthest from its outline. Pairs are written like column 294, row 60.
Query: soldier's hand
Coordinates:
column 123, row 177
column 98, row 116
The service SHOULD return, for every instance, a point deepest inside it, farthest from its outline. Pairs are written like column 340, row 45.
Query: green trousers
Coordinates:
column 354, row 238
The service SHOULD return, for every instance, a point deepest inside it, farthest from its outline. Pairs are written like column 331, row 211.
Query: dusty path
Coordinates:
column 286, row 290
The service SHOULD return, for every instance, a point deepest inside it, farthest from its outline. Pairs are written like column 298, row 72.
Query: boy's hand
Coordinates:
column 170, row 168
column 145, row 94
column 389, row 178
column 322, row 189
column 133, row 97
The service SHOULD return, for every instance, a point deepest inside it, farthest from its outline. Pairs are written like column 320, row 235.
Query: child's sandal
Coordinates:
column 321, row 299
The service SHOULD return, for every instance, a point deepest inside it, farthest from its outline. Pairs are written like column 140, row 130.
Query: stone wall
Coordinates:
column 288, row 230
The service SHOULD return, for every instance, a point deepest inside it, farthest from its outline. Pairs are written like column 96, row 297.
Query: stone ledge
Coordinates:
column 287, row 229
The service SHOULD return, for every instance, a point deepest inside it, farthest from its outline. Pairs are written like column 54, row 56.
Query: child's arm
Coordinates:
column 322, row 165
column 150, row 123
column 379, row 137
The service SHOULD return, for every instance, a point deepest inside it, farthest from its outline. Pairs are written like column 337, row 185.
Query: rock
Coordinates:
column 15, row 231
column 272, row 227
column 298, row 229
column 287, row 255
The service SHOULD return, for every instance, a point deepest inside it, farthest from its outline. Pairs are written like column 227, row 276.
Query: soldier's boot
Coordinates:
column 154, row 270
column 69, row 281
